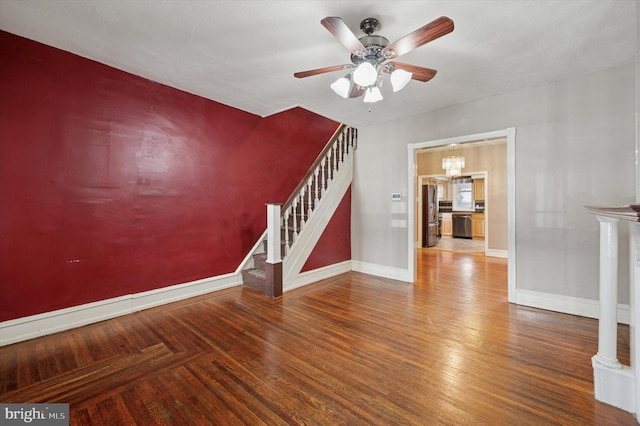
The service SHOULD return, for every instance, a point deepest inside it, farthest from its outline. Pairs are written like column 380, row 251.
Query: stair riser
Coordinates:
column 253, row 281
column 258, row 262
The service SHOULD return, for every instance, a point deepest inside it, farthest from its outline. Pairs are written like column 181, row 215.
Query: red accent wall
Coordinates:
column 111, row 184
column 334, row 245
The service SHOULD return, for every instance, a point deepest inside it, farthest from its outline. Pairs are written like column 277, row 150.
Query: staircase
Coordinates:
column 255, row 277
column 296, row 226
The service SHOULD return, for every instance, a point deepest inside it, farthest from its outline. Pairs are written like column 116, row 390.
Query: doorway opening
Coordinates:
column 415, row 182
column 461, row 229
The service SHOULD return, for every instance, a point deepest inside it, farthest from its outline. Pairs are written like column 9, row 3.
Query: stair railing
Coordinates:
column 295, row 212
column 286, row 222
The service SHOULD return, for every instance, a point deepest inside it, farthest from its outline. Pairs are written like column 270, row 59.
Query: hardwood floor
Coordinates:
column 462, row 245
column 354, row 349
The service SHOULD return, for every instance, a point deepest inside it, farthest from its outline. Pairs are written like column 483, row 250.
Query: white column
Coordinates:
column 613, row 382
column 273, row 233
column 608, row 322
column 634, row 330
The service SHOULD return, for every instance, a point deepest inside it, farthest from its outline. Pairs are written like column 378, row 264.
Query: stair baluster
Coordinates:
column 310, row 200
column 286, row 230
column 315, row 174
column 294, row 217
column 334, row 161
column 304, row 215
column 325, row 175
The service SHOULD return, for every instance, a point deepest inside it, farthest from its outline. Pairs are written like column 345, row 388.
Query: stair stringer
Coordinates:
column 313, row 228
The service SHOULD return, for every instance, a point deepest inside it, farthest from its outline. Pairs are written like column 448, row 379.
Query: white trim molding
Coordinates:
column 305, row 242
column 510, row 135
column 382, row 271
column 568, row 305
column 497, row 253
column 25, row 328
column 315, row 275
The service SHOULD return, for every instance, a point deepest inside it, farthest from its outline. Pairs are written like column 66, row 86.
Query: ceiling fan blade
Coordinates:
column 419, row 37
column 419, row 73
column 303, row 74
column 341, row 31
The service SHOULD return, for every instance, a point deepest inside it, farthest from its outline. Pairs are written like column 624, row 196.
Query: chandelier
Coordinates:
column 453, row 165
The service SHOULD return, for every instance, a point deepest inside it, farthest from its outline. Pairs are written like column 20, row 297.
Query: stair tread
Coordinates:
column 256, row 273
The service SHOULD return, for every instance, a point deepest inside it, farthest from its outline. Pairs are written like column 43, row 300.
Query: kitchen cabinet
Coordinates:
column 447, row 225
column 443, row 190
column 478, row 189
column 477, row 225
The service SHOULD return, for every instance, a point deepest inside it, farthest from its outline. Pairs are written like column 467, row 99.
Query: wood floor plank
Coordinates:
column 353, row 349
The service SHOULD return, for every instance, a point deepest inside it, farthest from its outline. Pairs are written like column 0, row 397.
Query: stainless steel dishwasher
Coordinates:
column 461, row 225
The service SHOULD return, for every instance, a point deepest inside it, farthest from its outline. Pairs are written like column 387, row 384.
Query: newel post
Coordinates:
column 273, row 265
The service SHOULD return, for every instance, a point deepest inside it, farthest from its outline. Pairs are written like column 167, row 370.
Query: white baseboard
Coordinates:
column 26, row 328
column 496, row 253
column 381, row 271
column 567, row 304
column 547, row 301
column 309, row 277
column 30, row 327
column 162, row 296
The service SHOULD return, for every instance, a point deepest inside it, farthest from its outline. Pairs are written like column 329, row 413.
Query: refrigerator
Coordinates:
column 430, row 232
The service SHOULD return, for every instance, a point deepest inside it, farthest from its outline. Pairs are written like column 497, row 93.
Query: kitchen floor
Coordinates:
column 460, row 245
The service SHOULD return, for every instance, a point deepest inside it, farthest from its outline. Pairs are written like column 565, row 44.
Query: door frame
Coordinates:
column 510, row 135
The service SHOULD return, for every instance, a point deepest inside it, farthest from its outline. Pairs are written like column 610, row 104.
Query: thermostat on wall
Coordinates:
column 396, row 196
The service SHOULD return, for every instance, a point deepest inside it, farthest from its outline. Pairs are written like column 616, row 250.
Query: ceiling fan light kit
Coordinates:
column 365, row 74
column 371, row 57
column 341, row 86
column 400, row 78
column 372, row 94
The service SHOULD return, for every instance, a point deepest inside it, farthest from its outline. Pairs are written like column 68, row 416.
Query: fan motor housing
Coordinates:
column 374, row 44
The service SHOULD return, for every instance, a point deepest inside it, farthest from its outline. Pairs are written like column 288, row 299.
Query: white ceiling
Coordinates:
column 244, row 53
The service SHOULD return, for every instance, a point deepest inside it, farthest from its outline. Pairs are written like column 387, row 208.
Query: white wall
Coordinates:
column 637, row 100
column 575, row 146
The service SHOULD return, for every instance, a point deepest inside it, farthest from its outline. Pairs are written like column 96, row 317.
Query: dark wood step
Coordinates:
column 258, row 261
column 254, row 278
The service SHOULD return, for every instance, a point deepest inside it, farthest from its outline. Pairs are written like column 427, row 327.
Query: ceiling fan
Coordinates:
column 372, row 55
